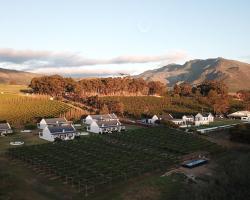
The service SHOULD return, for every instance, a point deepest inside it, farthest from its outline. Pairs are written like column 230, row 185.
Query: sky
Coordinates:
column 108, row 37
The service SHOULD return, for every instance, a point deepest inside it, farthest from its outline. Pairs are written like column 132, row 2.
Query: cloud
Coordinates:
column 72, row 63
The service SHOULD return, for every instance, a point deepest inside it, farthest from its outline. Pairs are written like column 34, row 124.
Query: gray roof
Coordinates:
column 55, row 120
column 61, row 129
column 4, row 126
column 111, row 123
column 104, row 117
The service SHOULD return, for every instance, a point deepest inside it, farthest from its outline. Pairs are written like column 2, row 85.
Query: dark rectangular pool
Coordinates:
column 195, row 163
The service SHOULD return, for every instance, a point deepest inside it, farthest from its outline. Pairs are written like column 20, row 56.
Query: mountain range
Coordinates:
column 16, row 77
column 234, row 73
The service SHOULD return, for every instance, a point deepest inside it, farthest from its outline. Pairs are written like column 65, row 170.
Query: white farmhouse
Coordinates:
column 50, row 133
column 52, row 122
column 105, row 126
column 151, row 120
column 188, row 119
column 5, row 129
column 203, row 119
column 106, row 117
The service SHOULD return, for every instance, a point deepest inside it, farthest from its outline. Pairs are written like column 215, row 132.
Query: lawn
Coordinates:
column 27, row 138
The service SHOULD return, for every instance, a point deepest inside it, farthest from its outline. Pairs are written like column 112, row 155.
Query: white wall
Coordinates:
column 42, row 124
column 46, row 135
column 88, row 120
column 94, row 128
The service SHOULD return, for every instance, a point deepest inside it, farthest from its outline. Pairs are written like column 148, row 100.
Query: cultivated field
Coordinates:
column 19, row 110
column 135, row 106
column 12, row 89
column 97, row 161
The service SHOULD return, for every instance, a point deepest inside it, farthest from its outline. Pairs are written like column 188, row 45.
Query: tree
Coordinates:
column 177, row 89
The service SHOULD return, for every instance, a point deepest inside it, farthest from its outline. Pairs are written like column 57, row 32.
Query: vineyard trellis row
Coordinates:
column 96, row 161
column 18, row 110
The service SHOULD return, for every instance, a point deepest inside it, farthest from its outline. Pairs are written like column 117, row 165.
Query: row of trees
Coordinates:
column 58, row 86
column 215, row 93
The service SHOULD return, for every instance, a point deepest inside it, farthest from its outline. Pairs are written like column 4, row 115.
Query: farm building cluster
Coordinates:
column 61, row 128
column 186, row 120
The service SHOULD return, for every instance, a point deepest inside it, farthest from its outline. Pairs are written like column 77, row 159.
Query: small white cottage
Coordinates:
column 151, row 120
column 50, row 133
column 52, row 122
column 203, row 119
column 106, row 117
column 5, row 129
column 105, row 126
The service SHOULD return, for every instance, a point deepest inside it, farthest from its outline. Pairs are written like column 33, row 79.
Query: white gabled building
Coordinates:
column 239, row 114
column 188, row 118
column 50, row 133
column 5, row 129
column 203, row 119
column 151, row 120
column 103, row 126
column 52, row 122
column 106, row 117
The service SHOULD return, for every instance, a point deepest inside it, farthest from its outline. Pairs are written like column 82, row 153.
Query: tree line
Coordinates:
column 58, row 86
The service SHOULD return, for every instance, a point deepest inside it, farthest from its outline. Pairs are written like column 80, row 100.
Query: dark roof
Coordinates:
column 104, row 117
column 110, row 123
column 61, row 129
column 189, row 116
column 4, row 126
column 55, row 120
column 205, row 114
column 166, row 116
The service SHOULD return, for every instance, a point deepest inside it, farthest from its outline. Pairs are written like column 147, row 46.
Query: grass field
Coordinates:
column 19, row 110
column 27, row 138
column 94, row 162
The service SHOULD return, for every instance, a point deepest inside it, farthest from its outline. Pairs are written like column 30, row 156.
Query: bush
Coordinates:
column 30, row 126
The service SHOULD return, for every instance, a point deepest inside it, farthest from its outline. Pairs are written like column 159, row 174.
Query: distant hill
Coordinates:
column 234, row 73
column 16, row 77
